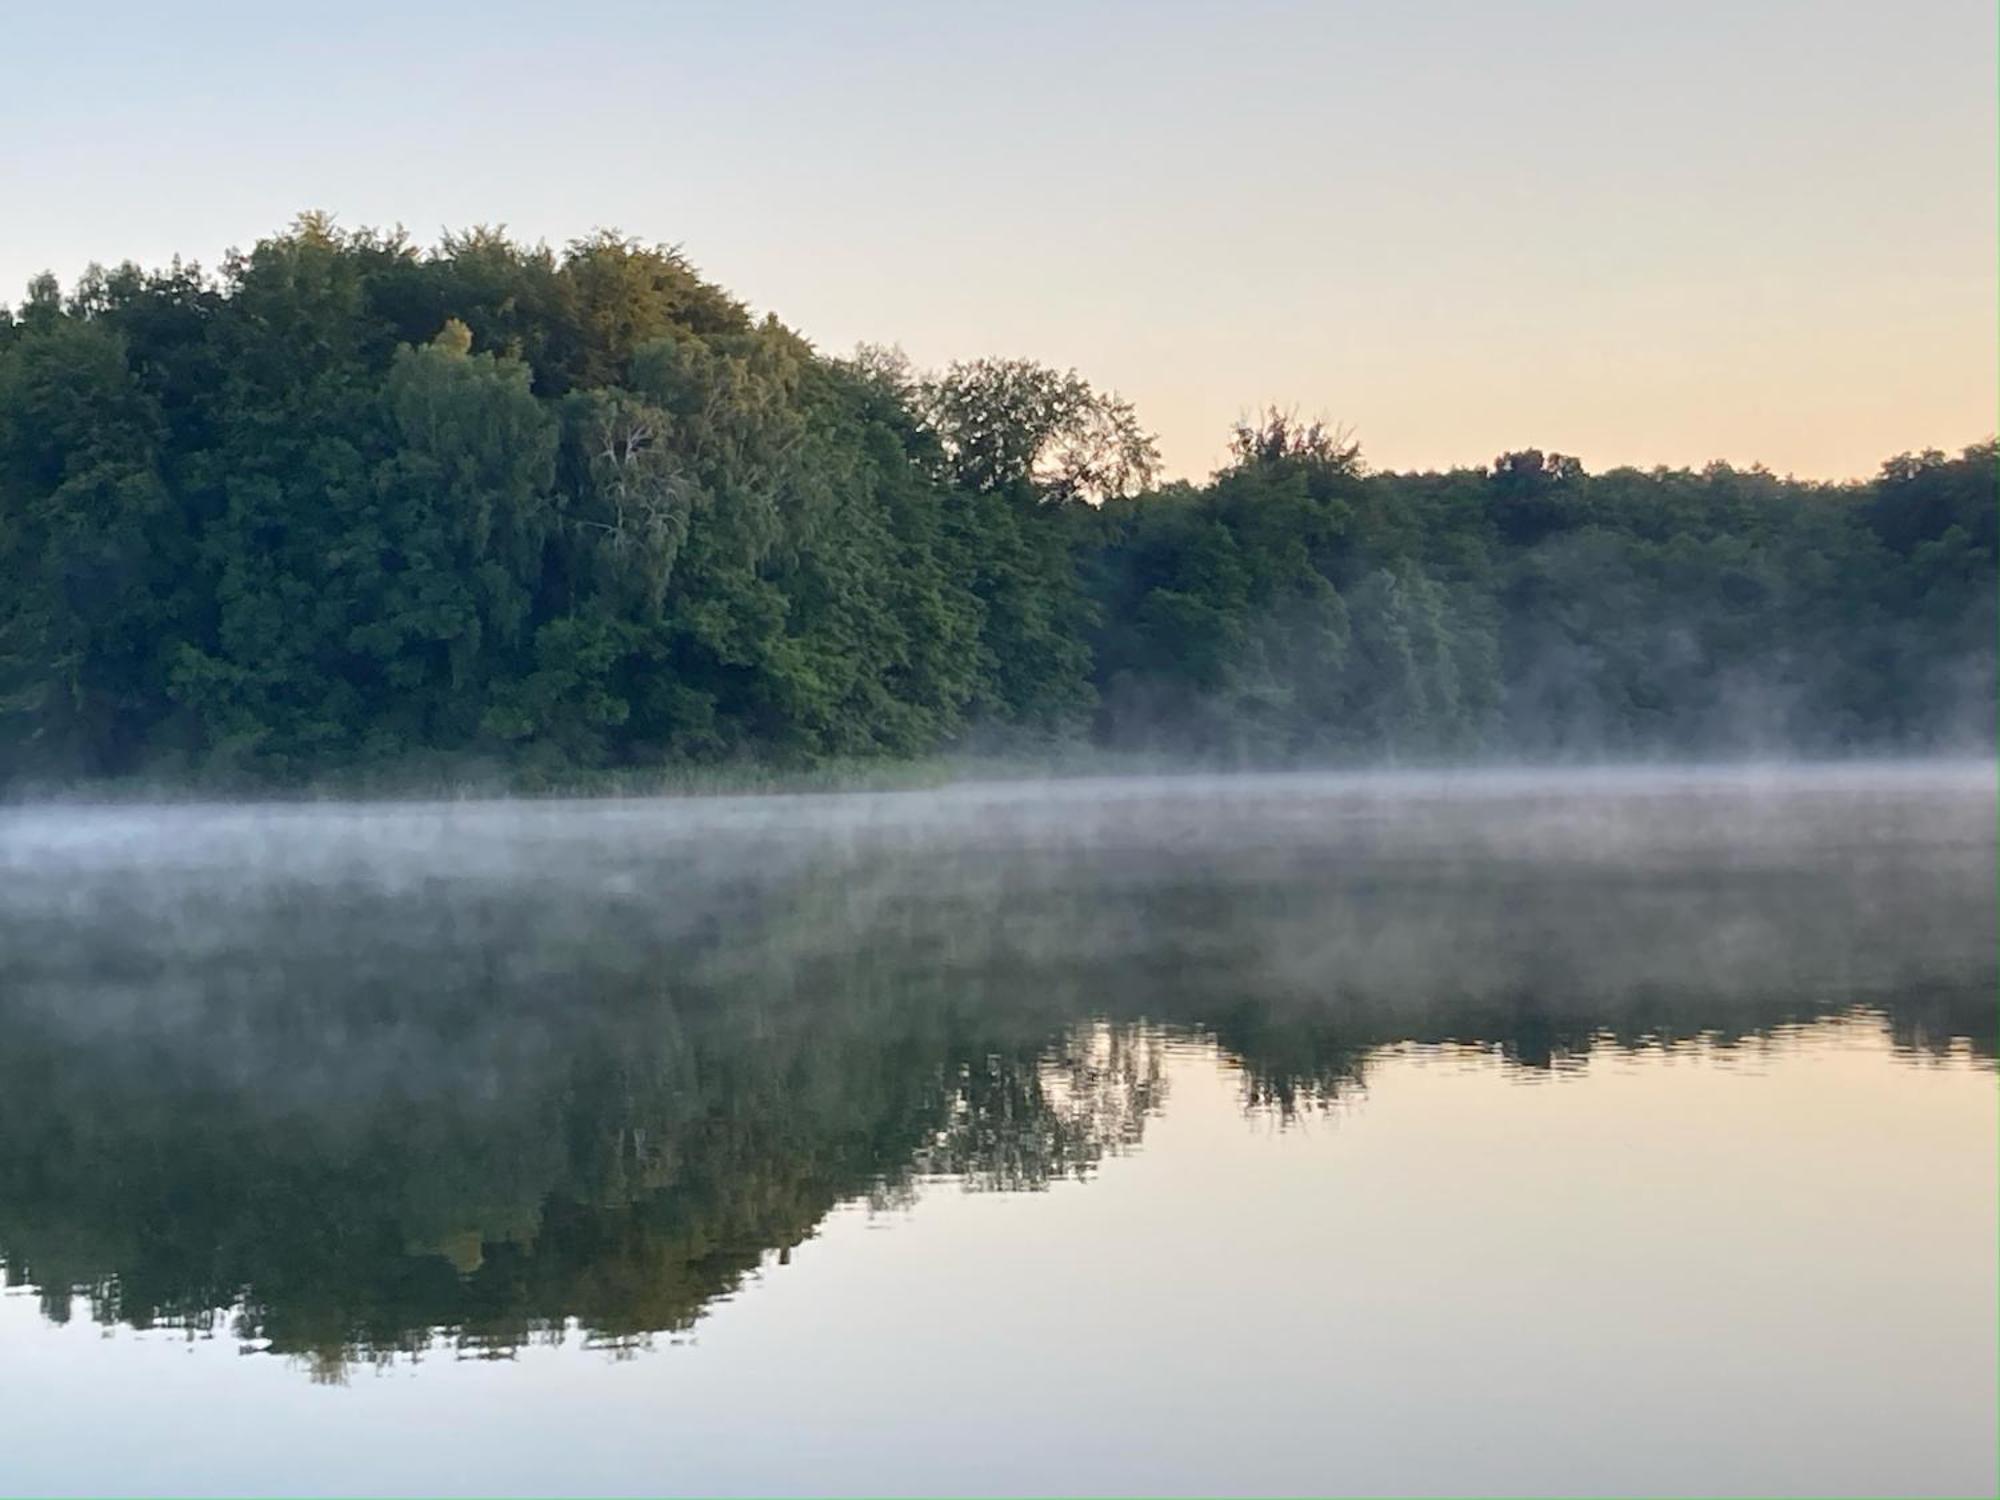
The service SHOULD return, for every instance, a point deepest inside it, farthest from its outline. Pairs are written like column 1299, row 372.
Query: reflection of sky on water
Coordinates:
column 626, row 1147
column 1660, row 1271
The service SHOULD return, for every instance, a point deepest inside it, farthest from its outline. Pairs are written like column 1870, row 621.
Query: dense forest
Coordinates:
column 356, row 503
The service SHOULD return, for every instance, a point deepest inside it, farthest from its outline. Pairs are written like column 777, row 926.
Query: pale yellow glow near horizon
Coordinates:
column 1655, row 232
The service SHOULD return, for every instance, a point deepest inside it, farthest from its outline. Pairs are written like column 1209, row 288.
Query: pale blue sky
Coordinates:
column 1639, row 232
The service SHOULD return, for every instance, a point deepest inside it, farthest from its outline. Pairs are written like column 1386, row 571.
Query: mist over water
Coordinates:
column 352, row 1084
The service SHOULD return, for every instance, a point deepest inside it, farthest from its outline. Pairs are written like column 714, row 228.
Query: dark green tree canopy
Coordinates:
column 354, row 502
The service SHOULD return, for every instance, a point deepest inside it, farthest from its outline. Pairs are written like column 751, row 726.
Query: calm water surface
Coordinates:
column 1608, row 1132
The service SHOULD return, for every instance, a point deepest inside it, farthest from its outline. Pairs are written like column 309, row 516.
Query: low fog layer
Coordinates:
column 1591, row 894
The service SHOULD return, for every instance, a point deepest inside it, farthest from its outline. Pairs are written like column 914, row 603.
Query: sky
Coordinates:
column 1646, row 233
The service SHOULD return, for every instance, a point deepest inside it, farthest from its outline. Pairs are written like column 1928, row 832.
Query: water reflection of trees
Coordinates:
column 361, row 1107
column 621, row 1192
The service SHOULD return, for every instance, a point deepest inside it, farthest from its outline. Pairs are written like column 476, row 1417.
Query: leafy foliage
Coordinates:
column 352, row 502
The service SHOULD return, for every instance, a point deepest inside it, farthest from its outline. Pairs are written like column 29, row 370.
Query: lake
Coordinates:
column 1580, row 1132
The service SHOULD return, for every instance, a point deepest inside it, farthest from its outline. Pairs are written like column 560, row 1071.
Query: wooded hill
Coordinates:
column 352, row 502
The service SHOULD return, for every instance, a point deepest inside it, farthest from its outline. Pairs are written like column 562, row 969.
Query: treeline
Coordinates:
column 355, row 503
